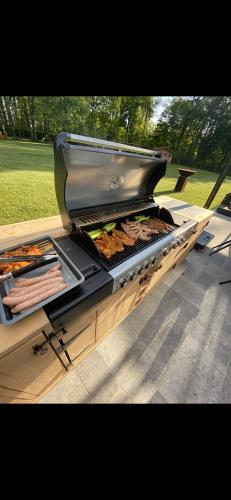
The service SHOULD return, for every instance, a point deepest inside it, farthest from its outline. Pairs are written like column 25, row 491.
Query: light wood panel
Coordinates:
column 107, row 313
column 79, row 336
column 14, row 234
column 11, row 337
column 25, row 375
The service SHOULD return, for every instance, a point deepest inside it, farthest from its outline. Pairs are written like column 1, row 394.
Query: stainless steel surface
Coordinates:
column 71, row 274
column 112, row 214
column 97, row 178
column 6, row 276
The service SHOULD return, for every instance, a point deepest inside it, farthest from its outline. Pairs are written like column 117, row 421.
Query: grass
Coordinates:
column 198, row 188
column 27, row 183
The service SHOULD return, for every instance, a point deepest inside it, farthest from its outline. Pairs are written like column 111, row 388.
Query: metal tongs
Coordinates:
column 25, row 258
column 39, row 260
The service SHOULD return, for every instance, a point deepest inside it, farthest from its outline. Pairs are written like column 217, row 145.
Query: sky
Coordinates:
column 160, row 108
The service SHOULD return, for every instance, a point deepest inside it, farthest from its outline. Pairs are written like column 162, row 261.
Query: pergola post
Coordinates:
column 218, row 183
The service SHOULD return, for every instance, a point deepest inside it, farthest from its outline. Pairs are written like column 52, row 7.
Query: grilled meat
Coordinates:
column 108, row 245
column 109, row 242
column 119, row 244
column 123, row 237
column 103, row 249
column 158, row 225
column 138, row 230
column 132, row 231
column 150, row 230
column 6, row 267
column 144, row 236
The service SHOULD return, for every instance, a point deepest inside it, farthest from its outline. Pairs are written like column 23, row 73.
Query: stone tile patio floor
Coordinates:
column 174, row 348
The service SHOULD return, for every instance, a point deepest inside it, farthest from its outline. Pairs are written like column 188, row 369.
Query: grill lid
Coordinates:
column 93, row 176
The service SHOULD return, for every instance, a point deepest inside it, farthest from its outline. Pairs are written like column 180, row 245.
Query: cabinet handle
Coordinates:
column 43, row 351
column 40, row 349
column 145, row 279
column 69, row 342
column 158, row 268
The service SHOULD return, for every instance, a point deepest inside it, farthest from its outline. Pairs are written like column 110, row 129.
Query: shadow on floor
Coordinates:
column 153, row 337
column 147, row 335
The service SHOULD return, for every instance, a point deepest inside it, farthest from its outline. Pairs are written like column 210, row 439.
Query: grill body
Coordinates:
column 98, row 182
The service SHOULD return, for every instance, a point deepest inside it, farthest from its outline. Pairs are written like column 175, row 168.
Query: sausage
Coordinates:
column 39, row 298
column 30, row 281
column 18, row 298
column 23, row 289
column 54, row 268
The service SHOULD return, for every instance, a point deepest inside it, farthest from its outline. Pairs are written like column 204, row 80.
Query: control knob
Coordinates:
column 165, row 251
column 140, row 269
column 153, row 260
column 132, row 276
column 123, row 283
column 146, row 264
column 175, row 244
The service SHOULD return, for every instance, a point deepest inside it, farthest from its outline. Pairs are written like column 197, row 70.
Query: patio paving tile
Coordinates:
column 97, row 379
column 69, row 390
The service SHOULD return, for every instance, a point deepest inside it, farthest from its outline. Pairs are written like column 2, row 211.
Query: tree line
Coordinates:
column 120, row 118
column 196, row 128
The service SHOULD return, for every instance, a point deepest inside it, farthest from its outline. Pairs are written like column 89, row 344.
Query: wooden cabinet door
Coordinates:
column 78, row 338
column 108, row 313
column 24, row 375
column 129, row 300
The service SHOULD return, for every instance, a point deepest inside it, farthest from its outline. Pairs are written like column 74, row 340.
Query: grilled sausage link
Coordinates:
column 40, row 297
column 54, row 268
column 18, row 298
column 30, row 281
column 19, row 290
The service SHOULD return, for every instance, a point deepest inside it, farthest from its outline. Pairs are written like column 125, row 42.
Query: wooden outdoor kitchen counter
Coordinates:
column 106, row 315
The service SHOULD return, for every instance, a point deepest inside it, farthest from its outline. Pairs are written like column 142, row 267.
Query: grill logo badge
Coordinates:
column 115, row 183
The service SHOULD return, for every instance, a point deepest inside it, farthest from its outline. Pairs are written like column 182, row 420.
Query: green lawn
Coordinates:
column 27, row 183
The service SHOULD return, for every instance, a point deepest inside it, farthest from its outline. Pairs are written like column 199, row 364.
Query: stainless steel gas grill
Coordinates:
column 99, row 182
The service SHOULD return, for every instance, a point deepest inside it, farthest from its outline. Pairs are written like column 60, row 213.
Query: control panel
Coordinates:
column 148, row 263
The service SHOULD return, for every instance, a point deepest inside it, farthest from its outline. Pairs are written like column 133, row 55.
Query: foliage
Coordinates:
column 41, row 117
column 198, row 130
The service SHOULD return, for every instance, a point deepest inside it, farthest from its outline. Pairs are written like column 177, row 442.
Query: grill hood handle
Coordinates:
column 160, row 152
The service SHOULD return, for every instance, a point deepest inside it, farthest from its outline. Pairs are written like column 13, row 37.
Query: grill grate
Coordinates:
column 128, row 252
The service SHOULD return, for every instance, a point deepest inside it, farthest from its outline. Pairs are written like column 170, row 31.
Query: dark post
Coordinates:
column 217, row 185
column 183, row 178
